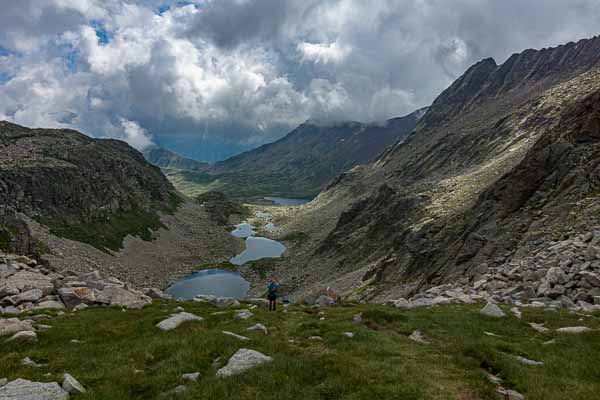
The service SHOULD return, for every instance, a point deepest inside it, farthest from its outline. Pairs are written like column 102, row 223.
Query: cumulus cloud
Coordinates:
column 245, row 72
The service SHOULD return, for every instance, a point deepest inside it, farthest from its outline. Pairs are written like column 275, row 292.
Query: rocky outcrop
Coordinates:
column 25, row 285
column 24, row 389
column 91, row 190
column 241, row 361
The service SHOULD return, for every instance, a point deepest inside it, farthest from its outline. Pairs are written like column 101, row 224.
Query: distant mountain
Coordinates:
column 164, row 158
column 91, row 190
column 303, row 162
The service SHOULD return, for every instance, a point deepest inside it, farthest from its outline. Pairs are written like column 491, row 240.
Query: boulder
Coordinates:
column 259, row 327
column 27, row 390
column 527, row 361
column 10, row 326
column 90, row 276
column 24, row 337
column 538, row 327
column 348, row 334
column 27, row 280
column 574, row 329
column 118, row 296
column 155, row 293
column 243, row 314
column 30, row 296
column 555, row 276
column 175, row 320
column 241, row 361
column 401, row 303
column 258, row 302
column 223, row 302
column 418, row 337
column 71, row 385
column 192, row 376
column 357, row 318
column 324, row 301
column 49, row 305
column 591, row 278
column 492, row 310
column 73, row 296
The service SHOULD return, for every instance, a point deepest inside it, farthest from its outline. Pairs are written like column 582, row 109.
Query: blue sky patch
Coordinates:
column 4, row 52
column 101, row 33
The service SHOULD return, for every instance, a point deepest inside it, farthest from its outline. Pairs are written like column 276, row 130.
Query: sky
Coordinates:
column 214, row 77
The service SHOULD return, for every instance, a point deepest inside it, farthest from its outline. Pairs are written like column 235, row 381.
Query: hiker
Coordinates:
column 272, row 294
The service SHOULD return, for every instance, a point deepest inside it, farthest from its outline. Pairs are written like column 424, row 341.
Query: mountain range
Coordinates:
column 298, row 165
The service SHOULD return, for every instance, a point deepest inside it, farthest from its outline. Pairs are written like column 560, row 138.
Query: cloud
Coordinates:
column 247, row 71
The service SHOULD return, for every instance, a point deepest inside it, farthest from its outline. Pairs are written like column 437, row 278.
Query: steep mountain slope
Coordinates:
column 504, row 163
column 305, row 160
column 164, row 158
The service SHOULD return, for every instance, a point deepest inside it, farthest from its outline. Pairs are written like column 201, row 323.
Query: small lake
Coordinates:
column 283, row 201
column 243, row 230
column 257, row 248
column 215, row 282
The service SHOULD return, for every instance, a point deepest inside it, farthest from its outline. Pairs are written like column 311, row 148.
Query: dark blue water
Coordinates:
column 215, row 282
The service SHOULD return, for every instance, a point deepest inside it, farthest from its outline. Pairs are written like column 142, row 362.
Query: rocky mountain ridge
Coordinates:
column 165, row 158
column 303, row 162
column 504, row 162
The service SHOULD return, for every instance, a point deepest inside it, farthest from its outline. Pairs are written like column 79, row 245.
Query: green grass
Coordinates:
column 123, row 356
column 225, row 265
column 110, row 231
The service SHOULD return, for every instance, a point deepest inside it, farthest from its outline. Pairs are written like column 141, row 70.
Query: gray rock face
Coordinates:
column 10, row 326
column 29, row 296
column 492, row 310
column 71, row 385
column 28, row 280
column 241, row 361
column 21, row 389
column 176, row 320
column 49, row 305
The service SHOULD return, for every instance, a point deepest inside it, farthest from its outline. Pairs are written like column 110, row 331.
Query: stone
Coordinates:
column 80, row 307
column 508, row 394
column 175, row 320
column 258, row 302
column 42, row 327
column 24, row 337
column 348, row 334
column 118, row 296
column 357, row 318
column 418, row 337
column 30, row 296
column 401, row 303
column 10, row 310
column 527, row 361
column 516, row 312
column 574, row 329
column 241, row 361
column 27, row 280
column 155, row 293
column 71, row 385
column 235, row 335
column 556, row 275
column 23, row 389
column 538, row 327
column 242, row 314
column 192, row 376
column 592, row 278
column 315, row 338
column 10, row 326
column 51, row 304
column 223, row 302
column 492, row 310
column 180, row 389
column 90, row 276
column 324, row 301
column 73, row 296
column 479, row 284
column 259, row 327
column 28, row 362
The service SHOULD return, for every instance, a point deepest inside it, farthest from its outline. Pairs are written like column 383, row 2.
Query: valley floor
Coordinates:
column 123, row 355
